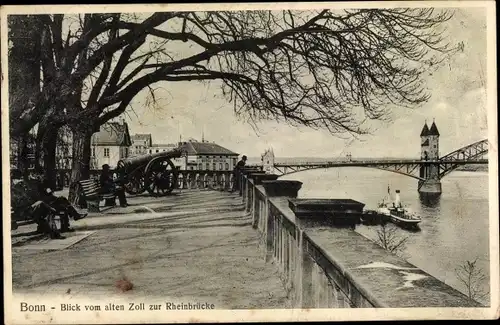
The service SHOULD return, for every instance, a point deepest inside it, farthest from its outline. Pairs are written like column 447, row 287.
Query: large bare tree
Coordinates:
column 322, row 69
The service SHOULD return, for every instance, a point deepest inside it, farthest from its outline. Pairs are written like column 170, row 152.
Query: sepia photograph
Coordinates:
column 249, row 162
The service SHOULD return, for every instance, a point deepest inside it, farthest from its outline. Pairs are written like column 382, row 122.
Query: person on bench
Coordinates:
column 108, row 185
column 25, row 201
column 24, row 206
column 44, row 216
column 58, row 203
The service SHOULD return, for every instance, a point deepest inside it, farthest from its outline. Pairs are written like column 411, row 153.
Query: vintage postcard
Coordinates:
column 249, row 162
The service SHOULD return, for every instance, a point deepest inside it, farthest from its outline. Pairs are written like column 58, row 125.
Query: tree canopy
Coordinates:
column 326, row 69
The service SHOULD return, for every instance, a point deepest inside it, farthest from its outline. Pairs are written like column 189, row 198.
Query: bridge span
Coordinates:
column 428, row 170
column 405, row 167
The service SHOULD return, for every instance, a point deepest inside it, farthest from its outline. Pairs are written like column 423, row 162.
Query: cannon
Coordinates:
column 155, row 173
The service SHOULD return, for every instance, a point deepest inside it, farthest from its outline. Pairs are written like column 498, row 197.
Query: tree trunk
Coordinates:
column 22, row 156
column 80, row 168
column 49, row 156
column 39, row 150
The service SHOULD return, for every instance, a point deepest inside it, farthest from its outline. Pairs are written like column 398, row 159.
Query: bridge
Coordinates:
column 428, row 170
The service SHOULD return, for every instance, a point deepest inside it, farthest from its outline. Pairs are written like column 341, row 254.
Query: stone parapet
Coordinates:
column 326, row 265
column 282, row 188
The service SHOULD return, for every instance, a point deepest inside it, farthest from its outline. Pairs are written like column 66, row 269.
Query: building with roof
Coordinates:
column 206, row 155
column 141, row 144
column 160, row 147
column 110, row 144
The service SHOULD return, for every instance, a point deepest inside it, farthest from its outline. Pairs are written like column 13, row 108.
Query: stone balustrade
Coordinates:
column 323, row 262
column 221, row 180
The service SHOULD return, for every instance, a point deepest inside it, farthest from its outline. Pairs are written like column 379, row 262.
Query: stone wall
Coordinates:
column 326, row 264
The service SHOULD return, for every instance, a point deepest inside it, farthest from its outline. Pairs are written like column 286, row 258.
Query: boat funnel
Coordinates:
column 398, row 199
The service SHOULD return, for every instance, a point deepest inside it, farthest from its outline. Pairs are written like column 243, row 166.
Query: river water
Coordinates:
column 454, row 227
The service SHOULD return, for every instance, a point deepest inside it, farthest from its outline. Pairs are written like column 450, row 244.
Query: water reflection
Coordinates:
column 413, row 229
column 430, row 200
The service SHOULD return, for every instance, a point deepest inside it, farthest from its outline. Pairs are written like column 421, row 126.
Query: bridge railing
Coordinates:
column 326, row 264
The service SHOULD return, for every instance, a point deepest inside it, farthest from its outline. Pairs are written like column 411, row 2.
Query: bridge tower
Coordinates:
column 268, row 161
column 429, row 138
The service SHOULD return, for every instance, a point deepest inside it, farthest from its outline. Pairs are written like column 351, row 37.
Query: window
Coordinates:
column 208, row 166
column 106, row 152
column 227, row 166
column 220, row 166
column 149, row 150
column 93, row 152
column 157, row 150
column 126, row 152
column 220, row 156
column 435, row 146
column 200, row 166
column 215, row 166
column 234, row 161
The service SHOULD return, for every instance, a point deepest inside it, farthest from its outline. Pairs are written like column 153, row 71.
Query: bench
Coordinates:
column 92, row 194
column 22, row 216
column 13, row 222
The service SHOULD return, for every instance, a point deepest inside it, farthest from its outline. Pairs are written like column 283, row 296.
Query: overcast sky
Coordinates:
column 458, row 105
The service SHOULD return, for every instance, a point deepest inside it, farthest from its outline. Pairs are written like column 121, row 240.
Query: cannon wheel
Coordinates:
column 160, row 176
column 135, row 182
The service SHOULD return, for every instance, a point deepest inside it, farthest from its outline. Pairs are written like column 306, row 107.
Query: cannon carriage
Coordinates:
column 155, row 173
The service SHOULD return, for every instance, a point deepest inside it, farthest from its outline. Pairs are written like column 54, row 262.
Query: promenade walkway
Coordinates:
column 192, row 246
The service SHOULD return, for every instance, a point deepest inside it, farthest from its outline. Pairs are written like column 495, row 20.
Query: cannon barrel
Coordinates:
column 129, row 164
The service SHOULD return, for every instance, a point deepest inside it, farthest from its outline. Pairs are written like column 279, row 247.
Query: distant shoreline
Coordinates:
column 473, row 168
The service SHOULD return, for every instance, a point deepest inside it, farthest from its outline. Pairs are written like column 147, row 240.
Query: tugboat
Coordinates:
column 396, row 213
column 378, row 216
column 384, row 205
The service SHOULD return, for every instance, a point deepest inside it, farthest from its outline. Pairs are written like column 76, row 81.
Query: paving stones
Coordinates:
column 186, row 255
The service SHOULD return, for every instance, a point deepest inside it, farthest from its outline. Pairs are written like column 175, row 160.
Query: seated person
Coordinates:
column 108, row 185
column 26, row 205
column 45, row 216
column 58, row 203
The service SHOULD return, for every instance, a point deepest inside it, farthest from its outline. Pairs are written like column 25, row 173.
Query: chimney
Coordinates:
column 398, row 199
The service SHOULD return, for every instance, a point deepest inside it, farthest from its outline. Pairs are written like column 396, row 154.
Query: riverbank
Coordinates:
column 473, row 168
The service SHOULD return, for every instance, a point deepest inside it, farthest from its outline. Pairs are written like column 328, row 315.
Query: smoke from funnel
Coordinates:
column 398, row 199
